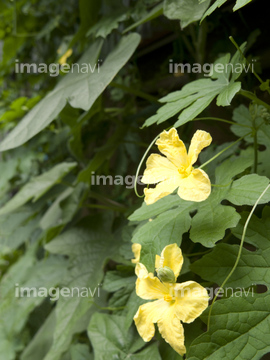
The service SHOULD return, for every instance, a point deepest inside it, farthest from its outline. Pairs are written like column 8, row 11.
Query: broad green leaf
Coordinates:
column 253, row 267
column 54, row 213
column 257, row 118
column 122, row 283
column 17, row 228
column 166, row 229
column 63, row 208
column 88, row 247
column 146, row 212
column 110, row 339
column 78, row 88
column 37, row 187
column 42, row 341
column 239, row 329
column 115, row 280
column 187, row 11
column 80, row 352
column 218, row 3
column 18, row 108
column 106, row 25
column 247, row 189
column 101, row 156
column 154, row 13
column 197, row 95
column 240, row 3
column 213, row 219
column 131, row 307
column 14, row 308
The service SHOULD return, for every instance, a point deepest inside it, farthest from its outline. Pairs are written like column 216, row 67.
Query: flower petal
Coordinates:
column 162, row 189
column 136, row 249
column 141, row 271
column 191, row 300
column 151, row 288
column 147, row 315
column 200, row 140
column 195, row 187
column 158, row 168
column 172, row 330
column 171, row 256
column 173, row 148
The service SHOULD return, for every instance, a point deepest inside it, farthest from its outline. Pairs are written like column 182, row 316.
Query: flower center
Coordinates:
column 171, row 295
column 183, row 171
column 168, row 298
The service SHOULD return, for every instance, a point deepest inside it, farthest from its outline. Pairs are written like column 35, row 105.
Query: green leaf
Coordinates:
column 107, row 24
column 240, row 3
column 154, row 13
column 146, row 212
column 257, row 118
column 213, row 219
column 63, row 208
column 42, row 341
column 239, row 329
column 18, row 108
column 187, row 11
column 88, row 247
column 37, row 187
column 78, row 88
column 219, row 3
column 197, row 95
column 210, row 223
column 110, row 339
column 253, row 267
column 18, row 228
column 166, row 229
column 25, row 273
column 247, row 189
column 80, row 352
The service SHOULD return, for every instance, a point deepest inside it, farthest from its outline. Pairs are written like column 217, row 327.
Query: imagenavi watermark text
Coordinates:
column 54, row 293
column 54, row 69
column 209, row 69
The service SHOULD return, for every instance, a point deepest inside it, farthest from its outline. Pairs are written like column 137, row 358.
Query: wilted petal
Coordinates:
column 200, row 140
column 151, row 288
column 171, row 256
column 136, row 249
column 162, row 189
column 147, row 315
column 172, row 330
column 195, row 187
column 158, row 168
column 191, row 300
column 173, row 148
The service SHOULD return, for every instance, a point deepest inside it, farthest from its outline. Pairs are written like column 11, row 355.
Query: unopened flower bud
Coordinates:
column 166, row 275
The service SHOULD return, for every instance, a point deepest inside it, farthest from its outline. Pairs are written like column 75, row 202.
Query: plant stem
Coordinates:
column 253, row 97
column 241, row 52
column 138, row 93
column 222, row 151
column 239, row 253
column 140, row 164
column 198, row 253
column 222, row 120
column 255, row 147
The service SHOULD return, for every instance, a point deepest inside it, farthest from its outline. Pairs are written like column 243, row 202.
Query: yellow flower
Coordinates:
column 136, row 248
column 175, row 303
column 176, row 170
column 63, row 58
